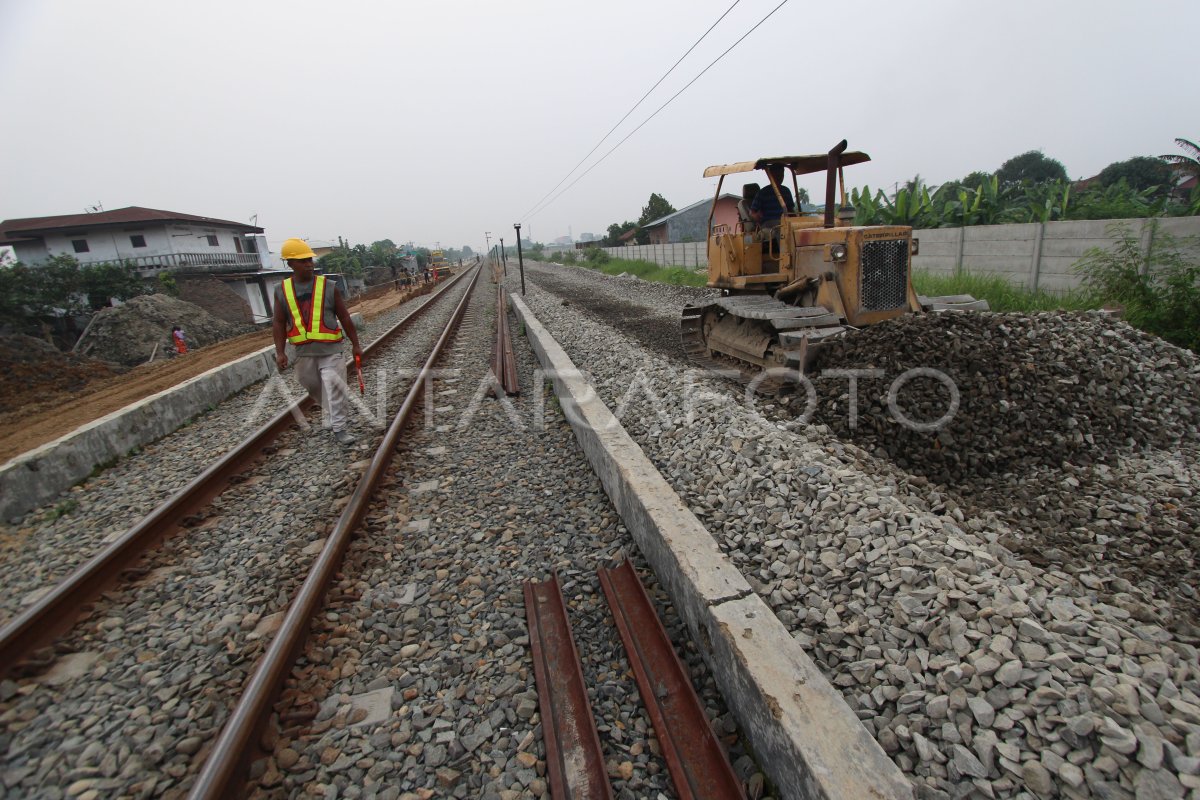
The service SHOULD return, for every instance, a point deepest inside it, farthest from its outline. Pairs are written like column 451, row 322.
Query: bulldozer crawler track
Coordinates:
column 692, row 333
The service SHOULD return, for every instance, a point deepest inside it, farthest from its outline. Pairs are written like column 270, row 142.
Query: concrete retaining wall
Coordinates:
column 1034, row 255
column 809, row 741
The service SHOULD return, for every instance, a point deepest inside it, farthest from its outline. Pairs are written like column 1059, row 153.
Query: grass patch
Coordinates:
column 1002, row 295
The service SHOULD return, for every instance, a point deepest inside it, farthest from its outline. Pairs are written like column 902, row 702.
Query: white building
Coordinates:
column 150, row 239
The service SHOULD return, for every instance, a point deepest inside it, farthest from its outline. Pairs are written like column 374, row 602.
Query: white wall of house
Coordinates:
column 30, row 252
column 109, row 244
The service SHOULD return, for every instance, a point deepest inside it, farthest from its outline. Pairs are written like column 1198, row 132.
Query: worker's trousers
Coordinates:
column 325, row 379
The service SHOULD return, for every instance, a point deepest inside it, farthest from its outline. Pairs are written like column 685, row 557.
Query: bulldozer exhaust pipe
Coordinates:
column 835, row 158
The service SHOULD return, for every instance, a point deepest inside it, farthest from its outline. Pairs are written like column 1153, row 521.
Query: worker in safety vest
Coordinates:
column 308, row 310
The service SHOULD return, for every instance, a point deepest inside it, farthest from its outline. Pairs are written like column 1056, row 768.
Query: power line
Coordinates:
column 634, row 108
column 660, row 108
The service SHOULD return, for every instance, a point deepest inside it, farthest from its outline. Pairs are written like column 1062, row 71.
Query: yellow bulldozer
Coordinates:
column 789, row 288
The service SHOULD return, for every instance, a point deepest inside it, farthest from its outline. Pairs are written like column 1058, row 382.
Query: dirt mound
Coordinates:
column 129, row 334
column 31, row 369
column 1039, row 389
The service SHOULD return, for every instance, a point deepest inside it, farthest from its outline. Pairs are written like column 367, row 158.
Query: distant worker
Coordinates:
column 765, row 208
column 178, row 339
column 308, row 308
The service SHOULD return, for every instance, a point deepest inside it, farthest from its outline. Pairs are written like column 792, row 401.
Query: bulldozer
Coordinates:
column 788, row 290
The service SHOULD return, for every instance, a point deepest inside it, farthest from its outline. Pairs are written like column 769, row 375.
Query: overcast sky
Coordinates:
column 437, row 121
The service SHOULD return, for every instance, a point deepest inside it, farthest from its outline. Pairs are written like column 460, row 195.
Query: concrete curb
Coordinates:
column 40, row 475
column 810, row 743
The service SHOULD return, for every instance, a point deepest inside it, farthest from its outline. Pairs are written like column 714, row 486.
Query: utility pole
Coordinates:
column 520, row 258
column 503, row 257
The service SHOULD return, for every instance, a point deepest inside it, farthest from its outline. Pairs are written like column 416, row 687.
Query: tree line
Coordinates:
column 1033, row 187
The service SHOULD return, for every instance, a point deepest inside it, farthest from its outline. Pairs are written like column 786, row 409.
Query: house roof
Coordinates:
column 705, row 201
column 13, row 231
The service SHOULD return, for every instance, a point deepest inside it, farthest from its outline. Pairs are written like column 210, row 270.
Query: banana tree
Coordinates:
column 866, row 206
column 1046, row 202
column 908, row 207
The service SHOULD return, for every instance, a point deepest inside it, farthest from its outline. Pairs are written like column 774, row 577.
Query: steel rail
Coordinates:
column 223, row 773
column 696, row 761
column 509, row 365
column 574, row 760
column 504, row 363
column 56, row 611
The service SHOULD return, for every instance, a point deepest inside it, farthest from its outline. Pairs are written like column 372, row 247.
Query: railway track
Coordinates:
column 418, row 665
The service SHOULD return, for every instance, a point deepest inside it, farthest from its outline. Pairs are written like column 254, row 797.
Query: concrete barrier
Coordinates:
column 809, row 741
column 40, row 475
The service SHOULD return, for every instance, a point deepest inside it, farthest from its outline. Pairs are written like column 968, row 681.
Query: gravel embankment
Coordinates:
column 977, row 670
column 50, row 541
column 431, row 611
column 154, row 670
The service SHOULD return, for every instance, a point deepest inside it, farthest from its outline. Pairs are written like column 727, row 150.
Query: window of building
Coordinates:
column 137, row 240
column 212, row 240
column 80, row 245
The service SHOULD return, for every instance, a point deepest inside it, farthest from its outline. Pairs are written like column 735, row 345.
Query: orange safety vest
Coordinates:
column 315, row 330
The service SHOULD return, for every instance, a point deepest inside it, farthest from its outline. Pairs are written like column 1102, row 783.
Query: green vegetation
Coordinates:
column 656, row 208
column 1002, row 295
column 1032, row 187
column 31, row 297
column 61, row 510
column 1158, row 291
column 597, row 259
column 993, row 202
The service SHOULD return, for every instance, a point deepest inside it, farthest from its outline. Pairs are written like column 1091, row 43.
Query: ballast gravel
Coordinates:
column 981, row 673
column 421, row 665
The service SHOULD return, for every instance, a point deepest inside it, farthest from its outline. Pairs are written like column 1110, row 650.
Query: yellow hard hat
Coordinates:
column 296, row 249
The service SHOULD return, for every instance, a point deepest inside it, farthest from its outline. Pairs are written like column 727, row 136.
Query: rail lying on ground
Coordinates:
column 56, row 611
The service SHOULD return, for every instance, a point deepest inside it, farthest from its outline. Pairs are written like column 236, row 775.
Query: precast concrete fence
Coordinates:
column 1035, row 255
column 690, row 255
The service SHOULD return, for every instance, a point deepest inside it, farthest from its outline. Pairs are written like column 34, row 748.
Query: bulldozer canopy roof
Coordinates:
column 801, row 165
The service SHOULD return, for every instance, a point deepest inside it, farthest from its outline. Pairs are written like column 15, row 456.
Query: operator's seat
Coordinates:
column 749, row 190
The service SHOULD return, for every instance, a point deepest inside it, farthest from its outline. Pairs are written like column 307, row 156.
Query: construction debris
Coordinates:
column 128, row 334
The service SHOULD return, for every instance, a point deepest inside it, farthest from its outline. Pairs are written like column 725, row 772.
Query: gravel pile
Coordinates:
column 980, row 673
column 129, row 334
column 1034, row 389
